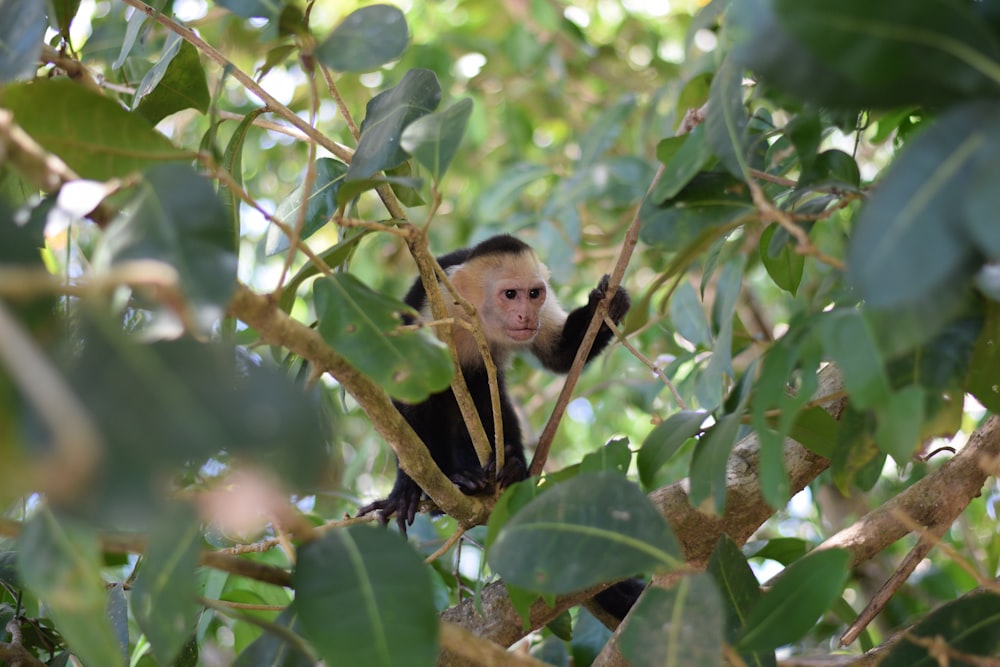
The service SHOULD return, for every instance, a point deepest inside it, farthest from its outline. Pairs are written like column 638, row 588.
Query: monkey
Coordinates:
column 508, row 285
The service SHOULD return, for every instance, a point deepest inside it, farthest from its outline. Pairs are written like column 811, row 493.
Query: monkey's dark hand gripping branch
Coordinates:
column 620, row 302
column 404, row 499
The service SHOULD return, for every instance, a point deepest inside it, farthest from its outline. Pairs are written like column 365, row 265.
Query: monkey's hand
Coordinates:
column 472, row 481
column 620, row 302
column 403, row 501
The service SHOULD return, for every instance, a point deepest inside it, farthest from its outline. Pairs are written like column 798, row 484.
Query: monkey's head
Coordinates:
column 509, row 287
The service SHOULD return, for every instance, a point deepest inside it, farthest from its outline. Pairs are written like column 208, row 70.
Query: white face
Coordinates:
column 516, row 303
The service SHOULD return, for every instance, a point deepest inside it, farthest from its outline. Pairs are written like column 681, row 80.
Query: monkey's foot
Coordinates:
column 472, row 481
column 514, row 470
column 620, row 302
column 403, row 501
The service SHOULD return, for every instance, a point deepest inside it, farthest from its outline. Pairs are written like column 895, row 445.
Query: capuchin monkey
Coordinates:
column 503, row 278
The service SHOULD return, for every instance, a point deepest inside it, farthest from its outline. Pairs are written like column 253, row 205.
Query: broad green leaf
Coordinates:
column 708, row 465
column 63, row 11
column 338, row 255
column 164, row 596
column 687, row 316
column 801, row 593
column 166, row 405
column 970, row 625
column 847, row 338
column 597, row 139
column 604, row 520
column 816, row 430
column 709, row 206
column 614, row 456
column 132, row 30
column 232, row 162
column 510, row 503
column 90, row 132
column 691, row 156
column 176, row 218
column 677, row 627
column 739, row 590
column 781, row 60
column 433, row 139
column 378, row 591
column 927, row 52
column 60, row 563
column 248, row 9
column 498, row 197
column 831, row 168
column 709, row 386
column 22, row 31
column 320, row 206
column 367, row 39
column 589, row 637
column 856, row 449
column 907, row 247
column 180, row 85
column 898, row 423
column 362, row 325
column 664, row 441
column 784, row 550
column 386, row 116
column 279, row 646
column 784, row 266
column 726, row 120
column 984, row 369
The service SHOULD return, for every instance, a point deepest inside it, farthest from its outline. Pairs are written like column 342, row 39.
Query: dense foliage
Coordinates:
column 209, row 212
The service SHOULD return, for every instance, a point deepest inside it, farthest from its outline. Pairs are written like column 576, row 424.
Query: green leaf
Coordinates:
column 615, row 456
column 176, row 218
column 847, row 338
column 22, row 31
column 739, row 591
column 320, row 206
column 386, row 116
column 784, row 265
column 665, row 440
column 690, row 157
column 176, row 82
column 677, row 627
column 926, row 52
column 708, row 465
column 232, row 162
column 91, row 133
column 281, row 646
column 63, row 11
column 362, row 325
column 905, row 248
column 598, row 138
column 970, row 624
column 898, row 423
column 784, row 550
column 604, row 520
column 337, row 255
column 164, row 597
column 248, row 9
column 816, row 430
column 367, row 39
column 984, row 369
column 433, row 139
column 498, row 197
column 378, row 590
column 135, row 393
column 60, row 562
column 709, row 206
column 800, row 594
column 726, row 120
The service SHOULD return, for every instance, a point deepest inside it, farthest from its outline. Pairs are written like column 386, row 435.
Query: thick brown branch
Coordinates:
column 277, row 328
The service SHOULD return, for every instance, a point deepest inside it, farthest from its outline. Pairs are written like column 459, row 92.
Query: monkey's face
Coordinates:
column 516, row 303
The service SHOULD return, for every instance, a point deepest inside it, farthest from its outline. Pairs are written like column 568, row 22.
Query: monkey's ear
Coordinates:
column 468, row 284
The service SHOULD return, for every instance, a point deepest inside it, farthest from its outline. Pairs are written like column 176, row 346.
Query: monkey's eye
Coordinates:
column 535, row 293
column 510, row 294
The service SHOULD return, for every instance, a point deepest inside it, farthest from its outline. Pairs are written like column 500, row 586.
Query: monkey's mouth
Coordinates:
column 522, row 335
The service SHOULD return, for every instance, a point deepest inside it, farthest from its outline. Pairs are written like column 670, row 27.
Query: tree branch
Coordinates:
column 275, row 327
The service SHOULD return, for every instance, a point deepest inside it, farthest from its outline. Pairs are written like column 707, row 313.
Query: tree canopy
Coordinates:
column 209, row 213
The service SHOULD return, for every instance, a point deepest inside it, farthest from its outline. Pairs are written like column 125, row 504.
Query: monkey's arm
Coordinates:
column 556, row 349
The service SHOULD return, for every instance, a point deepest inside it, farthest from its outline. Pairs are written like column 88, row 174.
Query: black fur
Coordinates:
column 438, row 420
